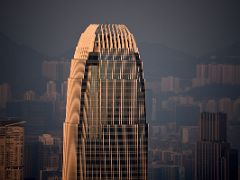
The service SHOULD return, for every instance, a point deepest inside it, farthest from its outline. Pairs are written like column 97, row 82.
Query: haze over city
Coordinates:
column 125, row 90
column 52, row 27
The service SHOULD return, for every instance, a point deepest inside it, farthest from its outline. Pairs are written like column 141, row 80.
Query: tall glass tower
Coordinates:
column 105, row 131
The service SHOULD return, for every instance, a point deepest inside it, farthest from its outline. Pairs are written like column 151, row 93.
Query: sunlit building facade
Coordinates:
column 11, row 149
column 105, row 131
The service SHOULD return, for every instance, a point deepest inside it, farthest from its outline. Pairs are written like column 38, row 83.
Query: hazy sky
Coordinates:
column 54, row 26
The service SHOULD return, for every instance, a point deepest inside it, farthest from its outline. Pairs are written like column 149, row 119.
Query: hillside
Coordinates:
column 20, row 66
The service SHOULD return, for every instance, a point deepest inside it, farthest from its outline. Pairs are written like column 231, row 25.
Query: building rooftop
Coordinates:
column 105, row 38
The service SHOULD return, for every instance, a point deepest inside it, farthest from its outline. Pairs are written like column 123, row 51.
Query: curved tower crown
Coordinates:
column 105, row 131
column 105, row 37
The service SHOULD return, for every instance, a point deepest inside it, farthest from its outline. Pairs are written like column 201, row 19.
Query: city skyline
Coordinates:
column 77, row 101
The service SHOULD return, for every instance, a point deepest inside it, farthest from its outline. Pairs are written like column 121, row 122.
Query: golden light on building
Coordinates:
column 105, row 131
column 11, row 149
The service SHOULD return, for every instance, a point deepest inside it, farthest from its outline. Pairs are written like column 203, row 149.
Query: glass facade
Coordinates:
column 109, row 135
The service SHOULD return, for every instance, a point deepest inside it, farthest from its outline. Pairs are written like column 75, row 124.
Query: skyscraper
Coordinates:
column 105, row 131
column 11, row 150
column 215, row 160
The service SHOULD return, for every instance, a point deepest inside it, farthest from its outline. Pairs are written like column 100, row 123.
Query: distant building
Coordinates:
column 215, row 160
column 170, row 84
column 56, row 70
column 11, row 150
column 173, row 101
column 148, row 103
column 190, row 134
column 43, row 157
column 211, row 106
column 216, row 74
column 154, row 109
column 31, row 158
column 5, row 94
column 49, row 153
column 225, row 105
column 51, row 91
column 29, row 95
column 236, row 108
column 64, row 91
column 49, row 70
column 188, row 162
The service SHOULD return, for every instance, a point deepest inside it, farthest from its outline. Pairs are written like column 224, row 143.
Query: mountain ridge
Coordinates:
column 20, row 66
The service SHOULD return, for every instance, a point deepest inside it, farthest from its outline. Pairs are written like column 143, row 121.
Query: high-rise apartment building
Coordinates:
column 56, row 70
column 215, row 160
column 105, row 131
column 51, row 91
column 49, row 157
column 11, row 150
column 217, row 74
column 170, row 84
column 5, row 94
